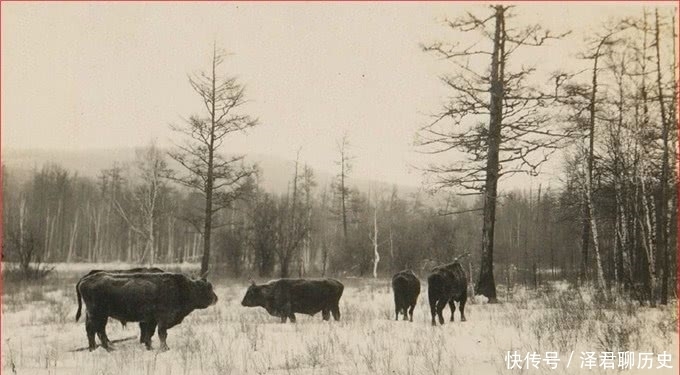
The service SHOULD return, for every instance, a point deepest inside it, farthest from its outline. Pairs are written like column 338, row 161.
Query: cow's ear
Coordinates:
column 204, row 276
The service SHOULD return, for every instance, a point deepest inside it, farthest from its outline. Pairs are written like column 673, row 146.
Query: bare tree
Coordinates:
column 218, row 178
column 264, row 227
column 662, row 216
column 517, row 139
column 373, row 236
column 21, row 239
column 601, row 46
column 617, row 114
column 305, row 255
column 293, row 224
column 325, row 230
column 144, row 198
column 340, row 184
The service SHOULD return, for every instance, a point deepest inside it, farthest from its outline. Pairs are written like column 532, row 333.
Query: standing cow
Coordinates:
column 162, row 299
column 406, row 288
column 285, row 297
column 446, row 284
column 146, row 330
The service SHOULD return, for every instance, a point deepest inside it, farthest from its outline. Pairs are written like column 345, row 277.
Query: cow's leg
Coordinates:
column 462, row 306
column 287, row 312
column 410, row 312
column 326, row 314
column 91, row 329
column 142, row 332
column 433, row 309
column 150, row 327
column 452, row 305
column 100, row 324
column 163, row 336
column 396, row 312
column 405, row 312
column 441, row 304
column 335, row 310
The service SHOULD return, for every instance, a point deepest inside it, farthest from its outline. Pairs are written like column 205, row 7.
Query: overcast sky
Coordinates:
column 101, row 75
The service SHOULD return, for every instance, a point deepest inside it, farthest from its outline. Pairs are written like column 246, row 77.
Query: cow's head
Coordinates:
column 204, row 295
column 254, row 296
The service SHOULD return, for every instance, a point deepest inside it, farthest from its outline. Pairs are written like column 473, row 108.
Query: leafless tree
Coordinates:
column 293, row 223
column 144, row 198
column 663, row 201
column 340, row 183
column 517, row 138
column 220, row 179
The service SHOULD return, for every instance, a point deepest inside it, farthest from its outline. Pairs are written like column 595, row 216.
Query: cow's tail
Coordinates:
column 435, row 285
column 80, row 303
column 399, row 283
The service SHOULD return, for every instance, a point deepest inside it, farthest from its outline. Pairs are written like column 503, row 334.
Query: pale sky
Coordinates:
column 102, row 75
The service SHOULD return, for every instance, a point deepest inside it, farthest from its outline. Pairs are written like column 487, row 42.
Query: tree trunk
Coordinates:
column 209, row 182
column 596, row 247
column 587, row 209
column 285, row 263
column 291, row 249
column 391, row 251
column 324, row 260
column 487, row 285
column 585, row 240
column 343, row 198
column 648, row 243
column 46, row 246
column 129, row 247
column 376, row 254
column 661, row 240
column 170, row 257
column 72, row 241
column 150, row 243
column 22, row 214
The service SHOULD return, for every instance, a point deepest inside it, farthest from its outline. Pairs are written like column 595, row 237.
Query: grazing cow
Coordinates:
column 162, row 299
column 406, row 288
column 146, row 330
column 446, row 284
column 285, row 297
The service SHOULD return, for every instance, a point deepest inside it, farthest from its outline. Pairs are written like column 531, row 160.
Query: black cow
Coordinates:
column 146, row 330
column 285, row 297
column 406, row 288
column 446, row 284
column 162, row 299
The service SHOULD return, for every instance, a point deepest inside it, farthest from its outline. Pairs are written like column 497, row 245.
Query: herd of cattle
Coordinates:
column 159, row 299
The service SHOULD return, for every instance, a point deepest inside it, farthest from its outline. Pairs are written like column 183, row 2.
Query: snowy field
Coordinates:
column 40, row 336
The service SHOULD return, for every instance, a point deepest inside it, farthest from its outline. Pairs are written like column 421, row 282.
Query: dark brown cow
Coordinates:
column 285, row 297
column 162, row 299
column 146, row 330
column 446, row 284
column 406, row 288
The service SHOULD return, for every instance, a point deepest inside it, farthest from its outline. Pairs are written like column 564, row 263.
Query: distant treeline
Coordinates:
column 57, row 216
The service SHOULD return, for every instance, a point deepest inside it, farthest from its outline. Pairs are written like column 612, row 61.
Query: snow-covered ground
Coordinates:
column 40, row 336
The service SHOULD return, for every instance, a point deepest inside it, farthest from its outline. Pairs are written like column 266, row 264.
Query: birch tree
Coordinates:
column 144, row 199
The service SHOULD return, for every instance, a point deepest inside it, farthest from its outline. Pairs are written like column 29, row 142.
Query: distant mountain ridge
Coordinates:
column 276, row 172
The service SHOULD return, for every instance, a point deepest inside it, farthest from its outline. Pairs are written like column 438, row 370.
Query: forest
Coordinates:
column 611, row 222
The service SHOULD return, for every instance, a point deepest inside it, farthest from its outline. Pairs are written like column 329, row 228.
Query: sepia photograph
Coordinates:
column 331, row 187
